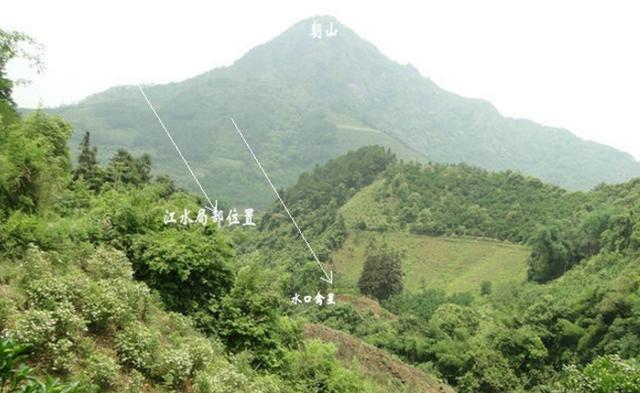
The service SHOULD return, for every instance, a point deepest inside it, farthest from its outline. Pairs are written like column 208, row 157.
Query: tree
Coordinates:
column 551, row 254
column 88, row 168
column 12, row 46
column 382, row 275
column 34, row 161
column 247, row 318
column 125, row 169
column 188, row 268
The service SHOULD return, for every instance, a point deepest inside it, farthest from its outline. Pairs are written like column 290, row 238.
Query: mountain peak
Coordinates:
column 320, row 41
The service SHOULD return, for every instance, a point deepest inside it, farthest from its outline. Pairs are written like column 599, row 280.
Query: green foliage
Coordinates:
column 16, row 376
column 79, row 257
column 485, row 288
column 123, row 168
column 425, row 303
column 174, row 366
column 88, row 168
column 439, row 199
column 606, row 374
column 136, row 345
column 247, row 319
column 315, row 369
column 314, row 202
column 488, row 372
column 101, row 372
column 551, row 254
column 34, row 161
column 382, row 275
column 188, row 268
column 14, row 45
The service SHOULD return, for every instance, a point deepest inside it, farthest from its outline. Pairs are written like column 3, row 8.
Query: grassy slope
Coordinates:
column 453, row 264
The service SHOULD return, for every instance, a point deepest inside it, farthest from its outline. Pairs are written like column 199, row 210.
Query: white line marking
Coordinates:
column 178, row 150
column 328, row 277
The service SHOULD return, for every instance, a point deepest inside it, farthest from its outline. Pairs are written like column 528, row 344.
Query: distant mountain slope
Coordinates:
column 302, row 101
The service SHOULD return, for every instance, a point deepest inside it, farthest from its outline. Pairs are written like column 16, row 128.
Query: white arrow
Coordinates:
column 328, row 277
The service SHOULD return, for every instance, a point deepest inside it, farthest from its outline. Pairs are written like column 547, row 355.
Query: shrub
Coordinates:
column 188, row 268
column 136, row 345
column 135, row 382
column 228, row 379
column 225, row 380
column 202, row 351
column 105, row 304
column 485, row 288
column 174, row 366
column 315, row 368
column 606, row 374
column 34, row 327
column 51, row 290
column 108, row 264
column 101, row 370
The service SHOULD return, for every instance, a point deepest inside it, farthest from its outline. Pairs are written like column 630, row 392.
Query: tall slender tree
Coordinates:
column 88, row 168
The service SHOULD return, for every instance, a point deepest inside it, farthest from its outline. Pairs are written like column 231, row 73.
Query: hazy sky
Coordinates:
column 572, row 64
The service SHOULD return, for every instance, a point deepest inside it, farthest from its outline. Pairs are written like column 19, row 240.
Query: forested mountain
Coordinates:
column 302, row 100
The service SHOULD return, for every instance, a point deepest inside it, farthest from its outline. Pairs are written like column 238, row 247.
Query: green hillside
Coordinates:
column 451, row 264
column 559, row 314
column 302, row 102
column 97, row 291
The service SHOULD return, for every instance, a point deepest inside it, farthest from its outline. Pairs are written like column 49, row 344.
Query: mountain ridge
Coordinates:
column 294, row 94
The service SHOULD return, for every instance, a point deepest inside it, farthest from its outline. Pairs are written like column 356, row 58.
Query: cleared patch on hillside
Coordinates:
column 452, row 264
column 351, row 137
column 364, row 304
column 387, row 370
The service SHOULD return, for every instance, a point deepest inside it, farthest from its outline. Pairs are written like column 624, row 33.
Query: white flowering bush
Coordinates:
column 228, row 379
column 108, row 264
column 136, row 295
column 60, row 354
column 174, row 366
column 34, row 327
column 52, row 333
column 136, row 345
column 134, row 382
column 36, row 263
column 202, row 351
column 101, row 371
column 224, row 380
column 606, row 374
column 39, row 329
column 103, row 305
